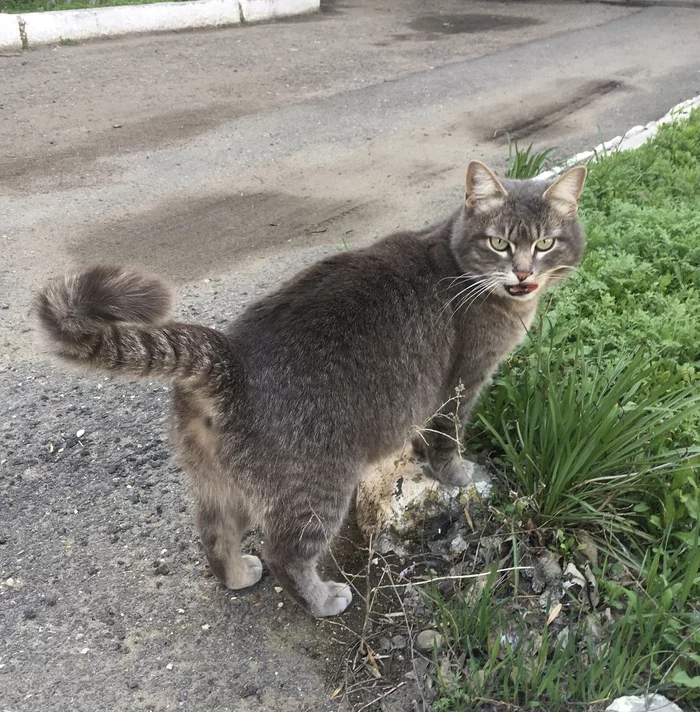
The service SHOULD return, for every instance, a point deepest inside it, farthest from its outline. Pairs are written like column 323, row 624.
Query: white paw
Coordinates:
column 457, row 473
column 338, row 599
column 246, row 574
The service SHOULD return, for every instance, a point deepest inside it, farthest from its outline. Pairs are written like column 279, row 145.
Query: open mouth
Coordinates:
column 518, row 290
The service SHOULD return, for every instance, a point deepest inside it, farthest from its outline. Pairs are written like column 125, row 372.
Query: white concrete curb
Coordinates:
column 634, row 138
column 10, row 37
column 36, row 28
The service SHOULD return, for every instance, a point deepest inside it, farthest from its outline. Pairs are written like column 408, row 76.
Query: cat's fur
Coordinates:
column 278, row 416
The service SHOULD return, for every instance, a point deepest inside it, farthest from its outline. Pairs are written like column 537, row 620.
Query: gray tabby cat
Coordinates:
column 278, row 416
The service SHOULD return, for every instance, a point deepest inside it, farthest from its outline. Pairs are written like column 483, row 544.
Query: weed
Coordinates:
column 588, row 440
column 500, row 651
column 527, row 163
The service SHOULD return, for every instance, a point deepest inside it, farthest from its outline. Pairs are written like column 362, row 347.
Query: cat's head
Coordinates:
column 517, row 236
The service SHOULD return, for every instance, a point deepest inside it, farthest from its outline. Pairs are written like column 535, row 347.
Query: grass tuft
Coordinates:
column 526, row 163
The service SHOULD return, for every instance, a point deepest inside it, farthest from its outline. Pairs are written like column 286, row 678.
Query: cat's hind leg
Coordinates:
column 222, row 524
column 294, row 545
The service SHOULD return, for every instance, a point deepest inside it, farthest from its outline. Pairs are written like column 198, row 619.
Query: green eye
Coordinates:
column 544, row 244
column 498, row 244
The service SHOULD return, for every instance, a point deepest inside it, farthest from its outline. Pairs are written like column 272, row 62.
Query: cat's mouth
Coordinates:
column 518, row 290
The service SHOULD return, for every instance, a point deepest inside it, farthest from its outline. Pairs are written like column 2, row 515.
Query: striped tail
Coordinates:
column 110, row 318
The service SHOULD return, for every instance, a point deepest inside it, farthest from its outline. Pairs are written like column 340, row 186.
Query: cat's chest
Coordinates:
column 489, row 339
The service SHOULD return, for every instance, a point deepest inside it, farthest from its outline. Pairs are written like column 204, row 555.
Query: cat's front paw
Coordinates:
column 247, row 573
column 338, row 598
column 455, row 472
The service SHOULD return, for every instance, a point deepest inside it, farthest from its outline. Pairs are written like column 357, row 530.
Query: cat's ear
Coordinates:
column 564, row 193
column 484, row 190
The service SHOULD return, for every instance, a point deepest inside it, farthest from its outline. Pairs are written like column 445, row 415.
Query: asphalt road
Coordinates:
column 226, row 160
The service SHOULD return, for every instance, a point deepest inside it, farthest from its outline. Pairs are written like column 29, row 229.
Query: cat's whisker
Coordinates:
column 464, row 291
column 555, row 269
column 467, row 276
column 466, row 304
column 485, row 296
column 461, row 278
column 486, row 288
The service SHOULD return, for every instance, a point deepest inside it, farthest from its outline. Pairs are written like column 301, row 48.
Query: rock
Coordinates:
column 427, row 640
column 397, row 500
column 546, row 571
column 162, row 569
column 638, row 703
column 458, row 545
column 398, row 642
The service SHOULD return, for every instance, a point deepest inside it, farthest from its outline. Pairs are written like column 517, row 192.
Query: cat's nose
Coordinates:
column 522, row 276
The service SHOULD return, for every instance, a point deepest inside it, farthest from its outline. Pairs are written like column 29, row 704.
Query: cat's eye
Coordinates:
column 498, row 244
column 544, row 244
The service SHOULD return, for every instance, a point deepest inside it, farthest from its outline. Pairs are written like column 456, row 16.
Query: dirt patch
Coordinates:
column 120, row 136
column 546, row 115
column 469, row 23
column 190, row 238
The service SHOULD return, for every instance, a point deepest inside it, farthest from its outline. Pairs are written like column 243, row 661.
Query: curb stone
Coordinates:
column 24, row 30
column 634, row 138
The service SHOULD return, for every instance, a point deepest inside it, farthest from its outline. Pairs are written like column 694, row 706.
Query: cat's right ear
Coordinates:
column 484, row 190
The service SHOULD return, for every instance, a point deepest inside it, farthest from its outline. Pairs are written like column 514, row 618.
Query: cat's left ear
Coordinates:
column 564, row 193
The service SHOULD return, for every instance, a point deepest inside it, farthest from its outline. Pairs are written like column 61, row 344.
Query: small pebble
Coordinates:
column 132, row 685
column 280, row 604
column 205, row 627
column 181, row 610
column 398, row 642
column 84, row 651
column 10, row 582
column 278, row 589
column 80, row 433
column 162, row 569
column 169, row 666
column 428, row 639
column 30, row 614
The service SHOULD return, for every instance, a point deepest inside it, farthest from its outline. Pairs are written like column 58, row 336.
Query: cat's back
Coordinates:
column 336, row 346
column 347, row 293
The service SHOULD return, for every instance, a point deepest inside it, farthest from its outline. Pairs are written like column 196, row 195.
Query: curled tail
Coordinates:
column 111, row 318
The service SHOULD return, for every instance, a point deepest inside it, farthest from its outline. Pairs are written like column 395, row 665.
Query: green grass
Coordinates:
column 590, row 441
column 17, row 6
column 526, row 163
column 595, row 426
column 650, row 640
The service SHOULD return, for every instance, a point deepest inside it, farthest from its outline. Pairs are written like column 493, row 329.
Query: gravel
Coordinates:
column 83, row 521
